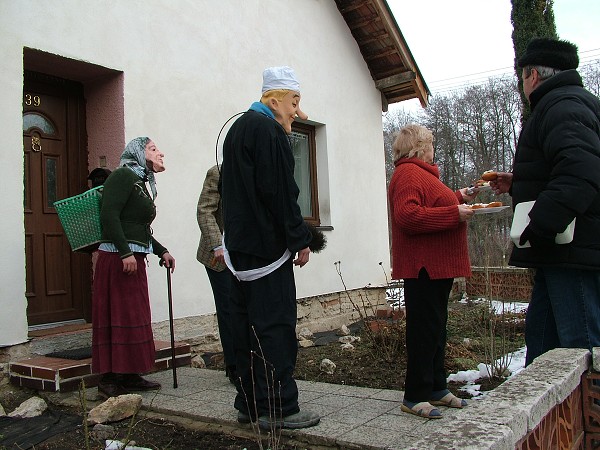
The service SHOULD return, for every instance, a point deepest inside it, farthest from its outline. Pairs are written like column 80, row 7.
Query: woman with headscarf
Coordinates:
column 122, row 339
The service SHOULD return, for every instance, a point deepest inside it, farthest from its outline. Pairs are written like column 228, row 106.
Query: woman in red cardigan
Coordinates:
column 429, row 249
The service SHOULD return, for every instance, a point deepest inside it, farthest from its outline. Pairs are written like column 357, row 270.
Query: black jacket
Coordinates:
column 260, row 209
column 557, row 163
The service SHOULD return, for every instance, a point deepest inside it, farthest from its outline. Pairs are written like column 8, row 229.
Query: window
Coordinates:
column 35, row 120
column 302, row 141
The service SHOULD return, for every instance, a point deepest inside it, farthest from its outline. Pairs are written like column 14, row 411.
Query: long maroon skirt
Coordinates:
column 122, row 340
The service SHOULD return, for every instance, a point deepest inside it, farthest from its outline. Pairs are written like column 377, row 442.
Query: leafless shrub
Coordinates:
column 386, row 334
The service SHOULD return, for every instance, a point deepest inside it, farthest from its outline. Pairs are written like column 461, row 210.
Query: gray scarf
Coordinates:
column 134, row 157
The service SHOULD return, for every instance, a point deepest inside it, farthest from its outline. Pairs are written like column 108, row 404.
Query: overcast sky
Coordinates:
column 464, row 41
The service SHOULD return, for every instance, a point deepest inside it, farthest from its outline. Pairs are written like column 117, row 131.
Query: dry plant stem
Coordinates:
column 387, row 281
column 386, row 339
column 130, row 427
column 83, row 403
column 274, row 434
column 366, row 308
column 498, row 358
column 133, row 423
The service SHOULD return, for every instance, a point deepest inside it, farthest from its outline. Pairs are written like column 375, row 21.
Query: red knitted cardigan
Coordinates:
column 426, row 231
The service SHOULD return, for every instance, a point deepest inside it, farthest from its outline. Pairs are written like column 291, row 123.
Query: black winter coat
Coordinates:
column 260, row 209
column 557, row 163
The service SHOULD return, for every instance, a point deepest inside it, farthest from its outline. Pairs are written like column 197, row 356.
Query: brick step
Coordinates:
column 44, row 373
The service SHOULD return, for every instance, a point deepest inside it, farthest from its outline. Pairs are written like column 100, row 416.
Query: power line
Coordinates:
column 459, row 84
column 507, row 70
column 467, row 81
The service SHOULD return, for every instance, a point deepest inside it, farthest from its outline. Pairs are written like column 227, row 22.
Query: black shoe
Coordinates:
column 134, row 382
column 302, row 419
column 107, row 389
column 243, row 417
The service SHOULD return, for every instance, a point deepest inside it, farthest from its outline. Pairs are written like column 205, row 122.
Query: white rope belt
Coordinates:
column 253, row 274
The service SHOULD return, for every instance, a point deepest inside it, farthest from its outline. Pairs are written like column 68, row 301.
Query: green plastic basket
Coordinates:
column 80, row 218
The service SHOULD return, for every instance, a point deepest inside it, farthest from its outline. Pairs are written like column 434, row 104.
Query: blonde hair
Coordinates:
column 412, row 141
column 277, row 94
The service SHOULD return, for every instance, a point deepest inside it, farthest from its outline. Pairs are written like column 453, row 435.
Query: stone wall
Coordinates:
column 319, row 313
column 331, row 311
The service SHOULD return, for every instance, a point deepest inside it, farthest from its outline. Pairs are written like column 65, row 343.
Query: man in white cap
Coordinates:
column 265, row 235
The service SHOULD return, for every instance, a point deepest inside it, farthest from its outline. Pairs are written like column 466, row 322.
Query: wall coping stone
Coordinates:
column 596, row 359
column 500, row 419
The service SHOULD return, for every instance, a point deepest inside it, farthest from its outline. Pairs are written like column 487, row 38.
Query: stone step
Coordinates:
column 45, row 373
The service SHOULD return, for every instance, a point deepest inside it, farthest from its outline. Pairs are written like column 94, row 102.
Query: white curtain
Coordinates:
column 299, row 144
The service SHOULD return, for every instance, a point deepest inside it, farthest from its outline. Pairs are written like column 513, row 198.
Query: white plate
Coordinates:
column 489, row 210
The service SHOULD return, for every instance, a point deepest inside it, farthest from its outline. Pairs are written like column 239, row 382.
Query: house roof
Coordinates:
column 385, row 51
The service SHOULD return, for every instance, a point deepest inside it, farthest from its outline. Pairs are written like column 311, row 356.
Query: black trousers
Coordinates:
column 221, row 287
column 426, row 304
column 263, row 315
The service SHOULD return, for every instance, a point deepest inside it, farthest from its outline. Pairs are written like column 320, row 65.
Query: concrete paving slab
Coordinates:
column 336, row 400
column 364, row 418
column 406, row 424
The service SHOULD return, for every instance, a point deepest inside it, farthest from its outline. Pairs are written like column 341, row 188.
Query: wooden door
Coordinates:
column 58, row 281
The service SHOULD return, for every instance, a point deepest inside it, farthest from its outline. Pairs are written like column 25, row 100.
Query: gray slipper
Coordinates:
column 421, row 409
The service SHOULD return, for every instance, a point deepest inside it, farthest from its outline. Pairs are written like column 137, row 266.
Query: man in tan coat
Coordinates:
column 210, row 253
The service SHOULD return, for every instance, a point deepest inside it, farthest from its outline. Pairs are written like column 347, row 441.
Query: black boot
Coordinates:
column 110, row 385
column 134, row 382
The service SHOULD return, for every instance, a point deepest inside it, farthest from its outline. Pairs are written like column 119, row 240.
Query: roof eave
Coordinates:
column 385, row 51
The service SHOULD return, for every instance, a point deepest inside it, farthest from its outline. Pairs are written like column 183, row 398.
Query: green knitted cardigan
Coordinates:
column 127, row 212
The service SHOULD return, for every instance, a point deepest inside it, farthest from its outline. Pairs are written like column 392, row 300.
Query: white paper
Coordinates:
column 521, row 220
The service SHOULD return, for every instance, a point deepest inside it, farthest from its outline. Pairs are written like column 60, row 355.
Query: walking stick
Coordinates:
column 162, row 263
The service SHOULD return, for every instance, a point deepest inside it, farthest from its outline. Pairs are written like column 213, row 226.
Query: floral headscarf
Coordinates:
column 134, row 157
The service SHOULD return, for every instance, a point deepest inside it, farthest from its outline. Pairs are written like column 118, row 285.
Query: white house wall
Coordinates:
column 187, row 67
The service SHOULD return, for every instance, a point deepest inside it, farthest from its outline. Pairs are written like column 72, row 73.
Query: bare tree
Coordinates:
column 590, row 72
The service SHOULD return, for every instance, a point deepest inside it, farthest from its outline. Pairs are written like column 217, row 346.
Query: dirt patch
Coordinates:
column 377, row 361
column 370, row 365
column 151, row 433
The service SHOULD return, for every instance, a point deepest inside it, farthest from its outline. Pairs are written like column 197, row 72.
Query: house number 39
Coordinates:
column 32, row 100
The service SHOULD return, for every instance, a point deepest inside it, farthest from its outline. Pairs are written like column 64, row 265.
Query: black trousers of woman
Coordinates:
column 426, row 302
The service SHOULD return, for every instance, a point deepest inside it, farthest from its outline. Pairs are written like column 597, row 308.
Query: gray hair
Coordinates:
column 543, row 71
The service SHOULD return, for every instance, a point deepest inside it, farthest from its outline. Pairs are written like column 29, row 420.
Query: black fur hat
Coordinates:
column 548, row 52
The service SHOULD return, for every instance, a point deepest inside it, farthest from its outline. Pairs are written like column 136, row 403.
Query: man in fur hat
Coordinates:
column 557, row 164
column 264, row 237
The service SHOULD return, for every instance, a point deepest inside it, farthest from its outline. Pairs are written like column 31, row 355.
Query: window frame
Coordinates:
column 310, row 132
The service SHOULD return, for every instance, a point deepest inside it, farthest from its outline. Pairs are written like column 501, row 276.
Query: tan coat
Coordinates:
column 210, row 219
